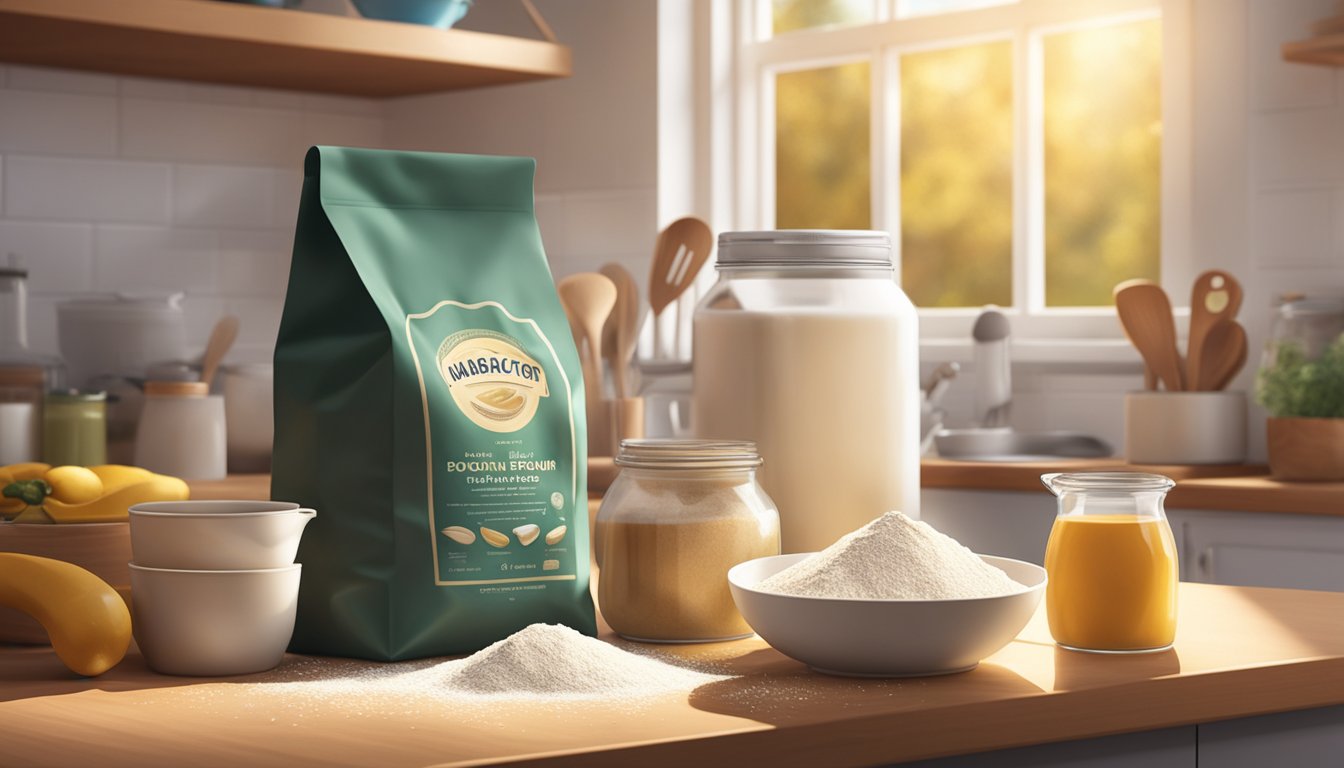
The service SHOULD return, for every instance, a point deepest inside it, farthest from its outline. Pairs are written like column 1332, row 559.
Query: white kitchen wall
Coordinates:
column 152, row 186
column 594, row 135
column 111, row 183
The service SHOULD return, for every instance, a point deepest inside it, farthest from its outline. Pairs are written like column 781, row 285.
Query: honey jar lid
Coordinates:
column 177, row 388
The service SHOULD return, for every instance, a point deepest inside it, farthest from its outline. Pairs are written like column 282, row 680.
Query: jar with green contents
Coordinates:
column 74, row 428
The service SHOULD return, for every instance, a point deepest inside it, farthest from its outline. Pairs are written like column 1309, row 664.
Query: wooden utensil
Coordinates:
column 221, row 341
column 1145, row 314
column 621, row 333
column 1216, row 295
column 679, row 253
column 588, row 299
column 1223, row 355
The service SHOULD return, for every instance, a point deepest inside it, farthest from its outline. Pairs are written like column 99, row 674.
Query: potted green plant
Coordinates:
column 1305, row 400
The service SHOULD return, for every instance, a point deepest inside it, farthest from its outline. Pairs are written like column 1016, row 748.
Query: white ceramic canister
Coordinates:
column 119, row 335
column 249, row 409
column 182, row 431
column 807, row 347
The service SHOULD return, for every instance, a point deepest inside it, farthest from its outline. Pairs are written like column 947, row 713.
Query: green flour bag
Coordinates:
column 428, row 404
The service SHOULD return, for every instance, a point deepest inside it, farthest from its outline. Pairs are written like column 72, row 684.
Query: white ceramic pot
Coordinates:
column 182, row 431
column 250, row 413
column 119, row 335
column 207, row 623
column 1185, row 427
column 885, row 638
column 223, row 535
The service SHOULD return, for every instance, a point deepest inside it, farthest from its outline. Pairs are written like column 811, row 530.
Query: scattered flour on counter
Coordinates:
column 541, row 662
column 893, row 558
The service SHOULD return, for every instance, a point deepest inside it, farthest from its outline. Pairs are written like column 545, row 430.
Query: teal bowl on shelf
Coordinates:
column 434, row 13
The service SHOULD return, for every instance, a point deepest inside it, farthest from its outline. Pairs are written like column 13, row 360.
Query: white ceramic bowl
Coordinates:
column 885, row 638
column 217, row 535
column 208, row 623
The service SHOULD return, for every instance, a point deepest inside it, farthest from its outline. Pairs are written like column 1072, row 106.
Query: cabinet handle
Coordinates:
column 1205, row 563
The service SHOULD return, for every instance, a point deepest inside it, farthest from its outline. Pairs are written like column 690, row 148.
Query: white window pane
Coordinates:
column 907, row 8
column 1103, row 160
column 790, row 15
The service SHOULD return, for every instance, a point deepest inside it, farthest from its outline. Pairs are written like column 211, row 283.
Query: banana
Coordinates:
column 114, row 506
column 86, row 620
column 118, row 476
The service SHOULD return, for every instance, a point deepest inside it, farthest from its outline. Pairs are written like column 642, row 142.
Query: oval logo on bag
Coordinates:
column 492, row 381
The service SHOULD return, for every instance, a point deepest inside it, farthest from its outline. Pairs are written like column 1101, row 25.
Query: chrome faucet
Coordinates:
column 993, row 369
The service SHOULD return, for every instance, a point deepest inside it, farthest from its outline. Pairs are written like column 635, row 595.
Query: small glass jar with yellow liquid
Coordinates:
column 1111, row 561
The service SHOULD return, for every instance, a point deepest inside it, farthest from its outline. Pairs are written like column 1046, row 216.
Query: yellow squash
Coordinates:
column 73, row 485
column 114, row 506
column 86, row 620
column 118, row 476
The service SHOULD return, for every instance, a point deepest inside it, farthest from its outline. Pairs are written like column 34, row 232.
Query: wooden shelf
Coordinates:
column 1318, row 50
column 251, row 45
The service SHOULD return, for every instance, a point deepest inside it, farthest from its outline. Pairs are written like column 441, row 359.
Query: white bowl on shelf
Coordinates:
column 885, row 638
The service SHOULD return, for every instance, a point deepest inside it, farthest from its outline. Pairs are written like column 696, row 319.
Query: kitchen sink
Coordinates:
column 1011, row 445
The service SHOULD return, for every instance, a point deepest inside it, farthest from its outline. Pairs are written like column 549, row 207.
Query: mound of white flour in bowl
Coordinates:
column 893, row 558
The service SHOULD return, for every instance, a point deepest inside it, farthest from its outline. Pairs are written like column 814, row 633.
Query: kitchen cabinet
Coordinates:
column 253, row 45
column 1236, row 548
column 1215, row 547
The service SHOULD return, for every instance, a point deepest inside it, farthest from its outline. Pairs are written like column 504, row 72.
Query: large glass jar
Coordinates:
column 1111, row 561
column 677, row 517
column 74, row 428
column 808, row 347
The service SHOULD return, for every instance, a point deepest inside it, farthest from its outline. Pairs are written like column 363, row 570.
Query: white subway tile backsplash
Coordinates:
column 551, row 220
column 1295, row 228
column 179, row 91
column 85, row 190
column 339, row 130
column 313, row 102
column 616, row 223
column 155, row 259
column 61, row 81
column 287, row 187
column 254, row 263
column 42, row 328
column 199, row 315
column 59, row 257
column 222, row 196
column 1297, row 147
column 210, row 133
column 40, row 122
column 259, row 318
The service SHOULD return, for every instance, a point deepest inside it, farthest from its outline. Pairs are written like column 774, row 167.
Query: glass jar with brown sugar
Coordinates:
column 677, row 517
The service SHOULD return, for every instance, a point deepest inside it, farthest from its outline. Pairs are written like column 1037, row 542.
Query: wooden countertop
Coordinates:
column 1238, row 652
column 1232, row 488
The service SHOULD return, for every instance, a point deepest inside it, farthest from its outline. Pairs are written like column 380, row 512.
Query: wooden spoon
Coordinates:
column 221, row 341
column 1223, row 355
column 1216, row 295
column 588, row 299
column 1145, row 314
column 679, row 253
column 621, row 333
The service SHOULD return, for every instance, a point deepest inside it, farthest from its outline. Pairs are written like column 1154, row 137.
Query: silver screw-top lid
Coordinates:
column 806, row 247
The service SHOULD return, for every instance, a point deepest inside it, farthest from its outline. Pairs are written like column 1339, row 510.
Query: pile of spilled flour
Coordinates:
column 539, row 662
column 893, row 558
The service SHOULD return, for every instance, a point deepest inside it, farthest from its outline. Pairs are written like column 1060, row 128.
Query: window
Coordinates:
column 1015, row 150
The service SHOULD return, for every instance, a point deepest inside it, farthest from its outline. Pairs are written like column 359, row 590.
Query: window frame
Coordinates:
column 740, row 79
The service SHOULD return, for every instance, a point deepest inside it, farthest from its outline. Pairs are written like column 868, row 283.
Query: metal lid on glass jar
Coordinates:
column 688, row 454
column 806, row 248
column 71, row 396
